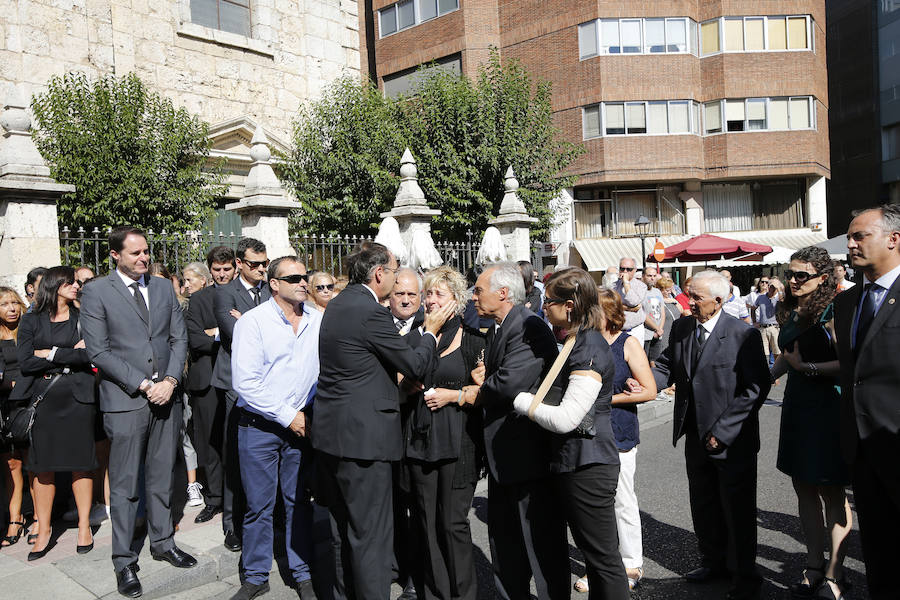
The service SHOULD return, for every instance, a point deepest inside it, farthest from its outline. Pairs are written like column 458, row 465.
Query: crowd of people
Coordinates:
column 387, row 394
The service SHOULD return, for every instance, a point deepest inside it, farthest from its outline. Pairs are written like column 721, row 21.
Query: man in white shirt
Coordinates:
column 632, row 291
column 840, row 274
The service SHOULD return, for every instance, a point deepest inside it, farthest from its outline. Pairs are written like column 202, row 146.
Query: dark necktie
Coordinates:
column 254, row 291
column 139, row 300
column 866, row 315
column 400, row 324
column 698, row 344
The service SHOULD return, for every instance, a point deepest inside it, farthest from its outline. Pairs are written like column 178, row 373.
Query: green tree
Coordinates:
column 132, row 157
column 463, row 133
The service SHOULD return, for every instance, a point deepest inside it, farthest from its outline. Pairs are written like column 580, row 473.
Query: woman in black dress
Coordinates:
column 50, row 349
column 586, row 461
column 444, row 449
column 12, row 454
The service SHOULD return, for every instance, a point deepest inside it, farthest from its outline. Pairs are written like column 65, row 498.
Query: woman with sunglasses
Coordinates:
column 56, row 365
column 321, row 289
column 585, row 460
column 809, row 443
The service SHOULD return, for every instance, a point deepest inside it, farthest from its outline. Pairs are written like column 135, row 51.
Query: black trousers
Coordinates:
column 588, row 498
column 441, row 519
column 234, row 504
column 359, row 497
column 723, row 505
column 207, row 437
column 876, row 493
column 403, row 566
column 527, row 533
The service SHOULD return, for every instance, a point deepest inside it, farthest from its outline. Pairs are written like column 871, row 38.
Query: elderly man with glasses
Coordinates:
column 633, row 292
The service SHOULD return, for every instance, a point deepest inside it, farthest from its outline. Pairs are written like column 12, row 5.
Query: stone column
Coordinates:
column 29, row 231
column 410, row 209
column 817, row 211
column 265, row 208
column 692, row 196
column 513, row 222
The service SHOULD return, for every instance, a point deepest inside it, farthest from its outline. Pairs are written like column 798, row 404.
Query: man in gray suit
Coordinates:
column 134, row 332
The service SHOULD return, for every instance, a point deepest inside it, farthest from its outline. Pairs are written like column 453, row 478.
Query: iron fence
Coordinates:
column 319, row 252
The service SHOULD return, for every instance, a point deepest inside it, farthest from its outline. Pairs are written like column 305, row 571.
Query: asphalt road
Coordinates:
column 669, row 543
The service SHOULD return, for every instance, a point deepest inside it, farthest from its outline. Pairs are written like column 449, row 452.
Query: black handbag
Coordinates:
column 17, row 426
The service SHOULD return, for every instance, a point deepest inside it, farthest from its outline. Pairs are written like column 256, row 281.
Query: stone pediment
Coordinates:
column 231, row 140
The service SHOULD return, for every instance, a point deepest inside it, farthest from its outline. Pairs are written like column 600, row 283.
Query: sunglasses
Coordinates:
column 82, row 282
column 627, row 269
column 799, row 276
column 325, row 286
column 255, row 264
column 550, row 300
column 293, row 278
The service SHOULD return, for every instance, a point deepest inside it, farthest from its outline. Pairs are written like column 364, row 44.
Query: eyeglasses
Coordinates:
column 325, row 286
column 799, row 276
column 83, row 282
column 255, row 264
column 550, row 300
column 627, row 269
column 394, row 271
column 293, row 278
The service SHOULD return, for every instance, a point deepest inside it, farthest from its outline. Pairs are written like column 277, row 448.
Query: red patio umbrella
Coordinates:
column 706, row 247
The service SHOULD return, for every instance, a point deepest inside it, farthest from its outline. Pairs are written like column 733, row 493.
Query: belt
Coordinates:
column 768, row 325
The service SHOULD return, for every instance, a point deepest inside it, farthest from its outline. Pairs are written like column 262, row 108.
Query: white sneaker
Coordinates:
column 99, row 513
column 195, row 498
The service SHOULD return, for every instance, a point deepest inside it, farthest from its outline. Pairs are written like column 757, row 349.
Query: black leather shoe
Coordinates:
column 176, row 558
column 40, row 553
column 207, row 514
column 249, row 591
column 706, row 574
column 128, row 583
column 305, row 590
column 232, row 541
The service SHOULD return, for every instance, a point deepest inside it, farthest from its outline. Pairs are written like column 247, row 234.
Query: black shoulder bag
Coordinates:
column 17, row 426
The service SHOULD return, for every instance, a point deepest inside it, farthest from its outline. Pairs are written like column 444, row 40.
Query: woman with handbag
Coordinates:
column 57, row 378
column 585, row 461
column 12, row 454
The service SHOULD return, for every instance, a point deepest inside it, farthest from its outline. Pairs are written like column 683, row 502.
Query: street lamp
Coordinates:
column 642, row 225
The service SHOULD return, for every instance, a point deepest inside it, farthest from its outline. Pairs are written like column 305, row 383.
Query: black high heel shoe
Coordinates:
column 32, row 537
column 811, row 583
column 9, row 540
column 86, row 548
column 40, row 553
column 826, row 591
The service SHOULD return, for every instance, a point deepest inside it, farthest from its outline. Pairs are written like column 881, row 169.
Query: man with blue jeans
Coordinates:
column 275, row 367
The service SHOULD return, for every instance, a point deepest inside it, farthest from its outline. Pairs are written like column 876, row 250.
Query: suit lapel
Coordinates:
column 845, row 313
column 884, row 311
column 120, row 287
column 687, row 348
column 713, row 341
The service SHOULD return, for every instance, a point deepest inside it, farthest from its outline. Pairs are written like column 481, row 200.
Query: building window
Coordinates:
column 760, row 205
column 404, row 15
column 673, row 35
column 227, row 15
column 657, row 117
column 755, row 34
column 890, row 142
column 759, row 114
column 407, row 81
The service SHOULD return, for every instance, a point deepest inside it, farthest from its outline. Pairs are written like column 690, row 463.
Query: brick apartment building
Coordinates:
column 702, row 115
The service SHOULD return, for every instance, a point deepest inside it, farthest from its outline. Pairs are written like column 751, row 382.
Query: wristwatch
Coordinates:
column 171, row 380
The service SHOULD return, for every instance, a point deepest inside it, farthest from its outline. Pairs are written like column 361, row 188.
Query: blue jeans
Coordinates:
column 271, row 457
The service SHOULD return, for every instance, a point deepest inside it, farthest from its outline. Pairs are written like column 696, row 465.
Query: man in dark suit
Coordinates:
column 356, row 426
column 525, row 524
column 246, row 291
column 721, row 380
column 867, row 324
column 134, row 333
column 208, row 413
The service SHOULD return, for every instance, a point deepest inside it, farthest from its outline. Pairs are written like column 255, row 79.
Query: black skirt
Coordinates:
column 62, row 438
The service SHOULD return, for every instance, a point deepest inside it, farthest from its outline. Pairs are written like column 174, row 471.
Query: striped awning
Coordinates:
column 598, row 254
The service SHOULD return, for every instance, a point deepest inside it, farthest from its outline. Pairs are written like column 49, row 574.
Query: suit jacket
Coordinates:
column 36, row 333
column 728, row 385
column 357, row 412
column 516, row 360
column 123, row 345
column 228, row 297
column 204, row 348
column 870, row 378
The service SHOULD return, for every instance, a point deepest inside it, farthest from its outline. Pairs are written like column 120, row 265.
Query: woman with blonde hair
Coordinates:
column 444, row 447
column 321, row 289
column 12, row 454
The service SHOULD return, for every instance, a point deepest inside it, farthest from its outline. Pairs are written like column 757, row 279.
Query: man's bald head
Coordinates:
column 406, row 297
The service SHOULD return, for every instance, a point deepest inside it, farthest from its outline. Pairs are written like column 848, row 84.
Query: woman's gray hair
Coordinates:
column 507, row 275
column 454, row 281
column 716, row 283
column 197, row 268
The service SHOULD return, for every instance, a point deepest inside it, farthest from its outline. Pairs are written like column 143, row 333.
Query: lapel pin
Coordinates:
column 891, row 301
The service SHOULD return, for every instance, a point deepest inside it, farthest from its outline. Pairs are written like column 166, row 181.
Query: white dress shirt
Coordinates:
column 142, row 285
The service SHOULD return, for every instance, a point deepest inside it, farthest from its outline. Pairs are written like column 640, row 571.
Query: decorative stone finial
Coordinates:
column 19, row 158
column 15, row 117
column 409, row 193
column 511, row 204
column 259, row 146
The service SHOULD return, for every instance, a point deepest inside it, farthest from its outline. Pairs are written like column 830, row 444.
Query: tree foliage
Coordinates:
column 132, row 157
column 463, row 133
